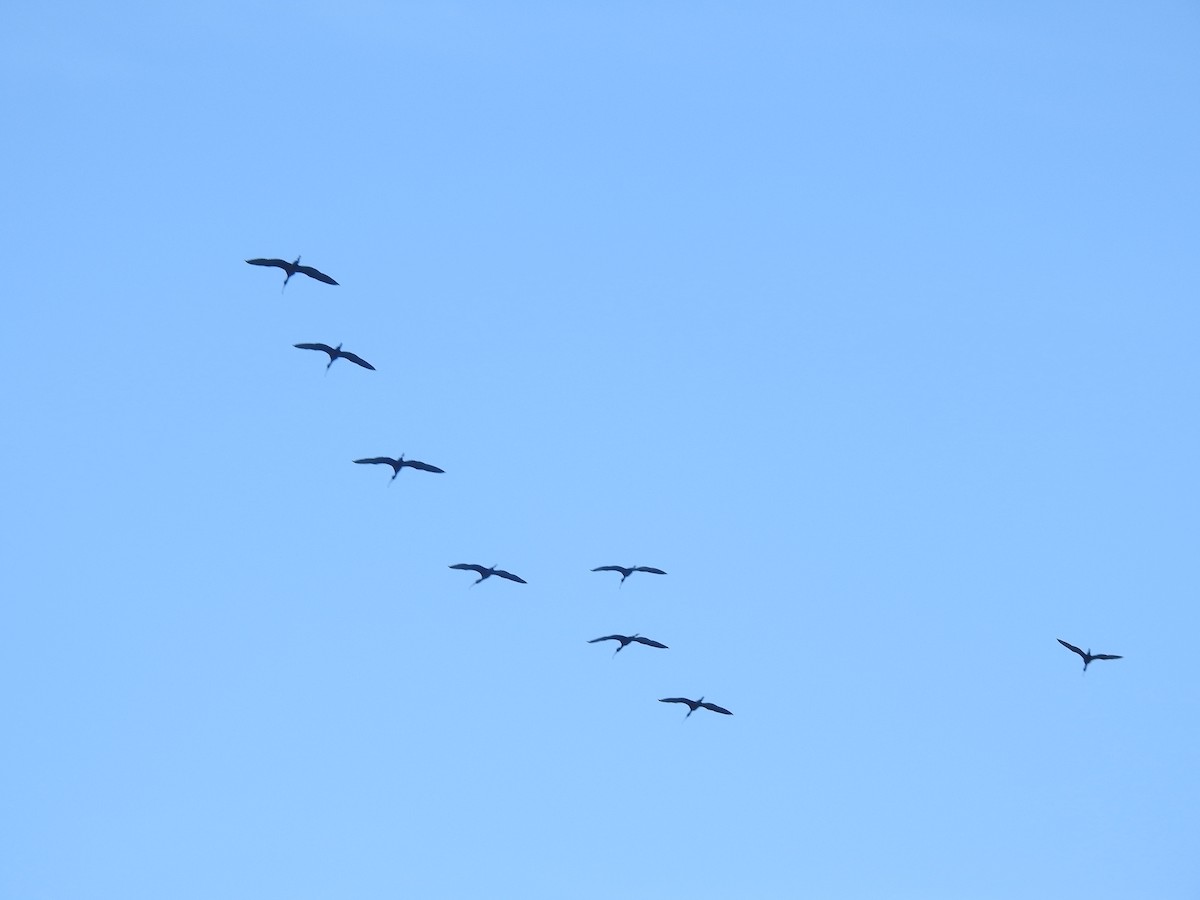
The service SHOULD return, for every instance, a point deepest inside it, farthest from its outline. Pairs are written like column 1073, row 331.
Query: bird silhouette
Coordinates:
column 292, row 268
column 626, row 571
column 1087, row 657
column 695, row 705
column 335, row 353
column 628, row 639
column 488, row 572
column 398, row 464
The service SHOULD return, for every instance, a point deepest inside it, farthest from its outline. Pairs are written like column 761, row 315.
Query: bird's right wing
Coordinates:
column 324, row 348
column 1105, row 656
column 607, row 637
column 510, row 576
column 608, row 569
column 1071, row 647
column 355, row 358
column 313, row 273
column 716, row 708
column 269, row 262
column 675, row 700
column 377, row 459
column 469, row 567
column 650, row 569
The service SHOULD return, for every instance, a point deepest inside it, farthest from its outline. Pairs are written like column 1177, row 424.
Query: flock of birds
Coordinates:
column 484, row 572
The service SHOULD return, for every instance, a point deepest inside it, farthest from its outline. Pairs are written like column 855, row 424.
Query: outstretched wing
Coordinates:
column 608, row 569
column 676, row 700
column 324, row 348
column 650, row 569
column 1073, row 648
column 716, row 708
column 1105, row 656
column 510, row 576
column 378, row 460
column 358, row 360
column 650, row 643
column 608, row 637
column 424, row 467
column 312, row 273
column 470, row 567
column 270, row 262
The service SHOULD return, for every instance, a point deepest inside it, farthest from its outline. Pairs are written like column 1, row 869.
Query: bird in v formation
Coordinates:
column 291, row 268
column 626, row 571
column 1087, row 657
column 336, row 353
column 398, row 464
column 626, row 640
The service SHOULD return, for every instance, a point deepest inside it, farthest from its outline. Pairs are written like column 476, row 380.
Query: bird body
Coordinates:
column 694, row 705
column 626, row 571
column 398, row 464
column 488, row 572
column 336, row 353
column 291, row 268
column 628, row 639
column 1088, row 656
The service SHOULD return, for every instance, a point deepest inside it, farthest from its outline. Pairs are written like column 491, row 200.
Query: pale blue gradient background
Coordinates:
column 874, row 324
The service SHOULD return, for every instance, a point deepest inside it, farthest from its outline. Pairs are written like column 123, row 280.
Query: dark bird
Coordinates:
column 488, row 573
column 627, row 571
column 292, row 268
column 695, row 705
column 628, row 639
column 335, row 352
column 1087, row 657
column 398, row 464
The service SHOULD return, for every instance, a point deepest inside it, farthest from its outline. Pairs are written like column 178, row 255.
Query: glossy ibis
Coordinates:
column 628, row 639
column 626, row 571
column 292, row 268
column 488, row 573
column 1087, row 657
column 694, row 705
column 335, row 353
column 398, row 464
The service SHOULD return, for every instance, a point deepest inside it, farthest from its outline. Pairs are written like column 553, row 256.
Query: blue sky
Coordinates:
column 873, row 325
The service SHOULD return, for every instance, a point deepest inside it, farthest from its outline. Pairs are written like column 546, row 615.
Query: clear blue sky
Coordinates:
column 873, row 324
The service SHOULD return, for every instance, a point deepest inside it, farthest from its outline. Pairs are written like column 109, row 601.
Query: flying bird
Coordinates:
column 398, row 464
column 335, row 352
column 489, row 572
column 695, row 705
column 1087, row 657
column 628, row 639
column 292, row 268
column 627, row 571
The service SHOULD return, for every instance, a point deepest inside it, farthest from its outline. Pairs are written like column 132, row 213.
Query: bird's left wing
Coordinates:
column 607, row 637
column 650, row 569
column 324, row 348
column 716, row 708
column 313, row 273
column 424, row 467
column 650, row 643
column 470, row 567
column 607, row 569
column 355, row 358
column 268, row 262
column 510, row 576
column 675, row 700
column 376, row 459
column 1106, row 656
